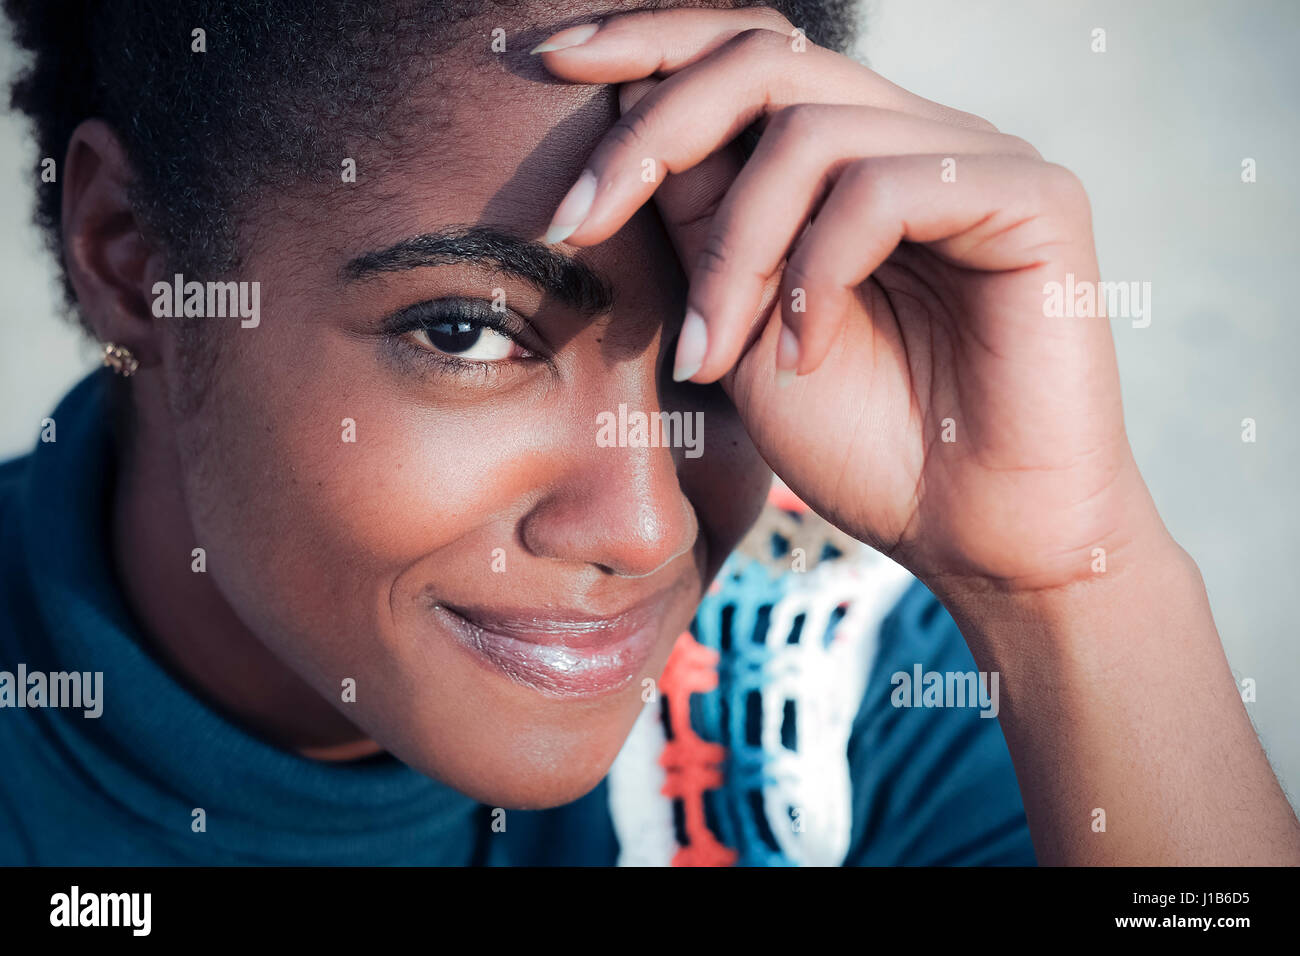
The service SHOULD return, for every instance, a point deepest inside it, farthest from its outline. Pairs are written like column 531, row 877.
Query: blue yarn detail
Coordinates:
column 732, row 621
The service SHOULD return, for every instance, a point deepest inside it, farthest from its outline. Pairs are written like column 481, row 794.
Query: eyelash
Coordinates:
column 477, row 312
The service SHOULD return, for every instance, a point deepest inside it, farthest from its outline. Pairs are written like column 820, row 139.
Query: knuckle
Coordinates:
column 863, row 173
column 962, row 118
column 757, row 42
column 1022, row 146
column 773, row 17
column 629, row 130
column 876, row 183
column 797, row 122
column 714, row 257
column 1060, row 188
column 1063, row 182
column 801, row 274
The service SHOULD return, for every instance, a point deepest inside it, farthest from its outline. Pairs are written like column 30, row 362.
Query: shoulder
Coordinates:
column 12, row 577
column 933, row 779
column 14, row 479
column 14, row 611
column 12, row 473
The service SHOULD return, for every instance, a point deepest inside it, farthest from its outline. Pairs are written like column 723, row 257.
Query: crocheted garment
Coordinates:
column 742, row 757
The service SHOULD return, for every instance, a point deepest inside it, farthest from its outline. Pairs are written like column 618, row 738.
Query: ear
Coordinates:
column 110, row 263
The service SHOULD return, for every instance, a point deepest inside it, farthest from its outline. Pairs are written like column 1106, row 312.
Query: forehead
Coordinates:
column 503, row 149
column 491, row 139
column 486, row 136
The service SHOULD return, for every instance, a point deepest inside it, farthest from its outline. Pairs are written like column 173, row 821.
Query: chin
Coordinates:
column 529, row 761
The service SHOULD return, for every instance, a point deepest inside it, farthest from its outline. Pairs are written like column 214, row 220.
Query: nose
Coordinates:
column 621, row 509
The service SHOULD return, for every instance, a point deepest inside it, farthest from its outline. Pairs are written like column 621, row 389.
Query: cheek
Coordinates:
column 315, row 484
column 319, row 532
column 318, row 484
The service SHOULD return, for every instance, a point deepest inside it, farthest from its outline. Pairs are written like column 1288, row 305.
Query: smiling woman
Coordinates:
column 434, row 618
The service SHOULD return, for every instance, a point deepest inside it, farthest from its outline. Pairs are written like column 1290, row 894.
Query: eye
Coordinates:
column 461, row 333
column 467, row 339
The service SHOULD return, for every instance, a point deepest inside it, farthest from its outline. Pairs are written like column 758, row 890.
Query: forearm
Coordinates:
column 1116, row 695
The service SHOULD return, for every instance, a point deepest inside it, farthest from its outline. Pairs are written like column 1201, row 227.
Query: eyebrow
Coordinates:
column 574, row 283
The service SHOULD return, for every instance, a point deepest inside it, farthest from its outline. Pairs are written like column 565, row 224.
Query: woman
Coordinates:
column 370, row 560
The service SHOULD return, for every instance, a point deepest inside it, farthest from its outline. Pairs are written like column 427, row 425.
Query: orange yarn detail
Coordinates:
column 779, row 496
column 692, row 765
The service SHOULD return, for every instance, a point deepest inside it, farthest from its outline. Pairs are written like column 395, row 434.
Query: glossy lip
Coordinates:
column 561, row 656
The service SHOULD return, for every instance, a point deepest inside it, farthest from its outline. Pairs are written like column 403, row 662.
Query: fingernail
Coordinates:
column 787, row 350
column 784, row 376
column 573, row 36
column 572, row 209
column 691, row 346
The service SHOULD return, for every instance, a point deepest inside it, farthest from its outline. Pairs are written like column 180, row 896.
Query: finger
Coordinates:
column 686, row 203
column 644, row 43
column 691, row 114
column 773, row 197
column 1003, row 214
column 615, row 49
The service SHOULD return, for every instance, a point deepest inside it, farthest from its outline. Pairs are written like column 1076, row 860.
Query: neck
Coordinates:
column 186, row 620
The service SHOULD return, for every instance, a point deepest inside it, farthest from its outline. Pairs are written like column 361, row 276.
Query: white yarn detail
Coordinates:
column 642, row 815
column 826, row 685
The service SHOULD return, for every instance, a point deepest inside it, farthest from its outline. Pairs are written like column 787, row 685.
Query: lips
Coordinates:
column 560, row 656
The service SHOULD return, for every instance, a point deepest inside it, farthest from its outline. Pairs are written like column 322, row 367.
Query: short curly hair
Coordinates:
column 281, row 80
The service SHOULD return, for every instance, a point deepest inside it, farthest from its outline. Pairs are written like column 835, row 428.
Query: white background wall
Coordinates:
column 1157, row 127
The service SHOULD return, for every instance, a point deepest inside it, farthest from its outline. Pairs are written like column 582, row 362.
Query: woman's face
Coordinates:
column 389, row 492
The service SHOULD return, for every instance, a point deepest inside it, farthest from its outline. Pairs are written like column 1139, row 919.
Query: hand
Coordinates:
column 894, row 253
column 912, row 308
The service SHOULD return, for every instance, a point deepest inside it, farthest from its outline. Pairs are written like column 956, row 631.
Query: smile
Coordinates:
column 567, row 657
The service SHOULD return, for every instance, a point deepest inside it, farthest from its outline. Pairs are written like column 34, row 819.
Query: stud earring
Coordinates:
column 120, row 359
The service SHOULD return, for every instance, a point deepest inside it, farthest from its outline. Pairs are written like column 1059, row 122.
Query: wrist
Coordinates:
column 1115, row 694
column 1081, row 622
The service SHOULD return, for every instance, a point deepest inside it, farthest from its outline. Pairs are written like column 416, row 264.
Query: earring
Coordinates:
column 120, row 359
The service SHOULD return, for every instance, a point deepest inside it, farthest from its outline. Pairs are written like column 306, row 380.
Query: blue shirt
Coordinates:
column 132, row 786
